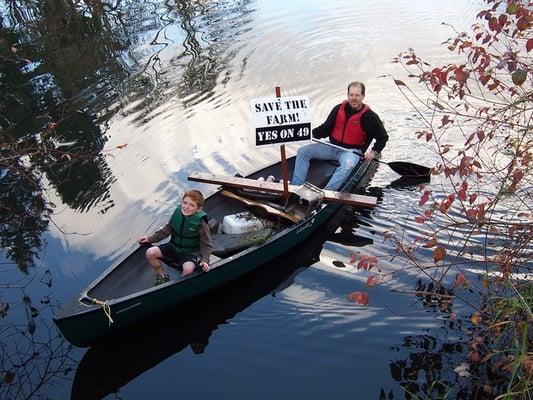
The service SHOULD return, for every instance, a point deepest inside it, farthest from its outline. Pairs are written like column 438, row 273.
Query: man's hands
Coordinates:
column 370, row 155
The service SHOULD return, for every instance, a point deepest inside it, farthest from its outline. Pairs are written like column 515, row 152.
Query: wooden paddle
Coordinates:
column 268, row 208
column 400, row 167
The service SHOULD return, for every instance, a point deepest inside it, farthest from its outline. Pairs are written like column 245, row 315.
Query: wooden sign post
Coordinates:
column 284, row 167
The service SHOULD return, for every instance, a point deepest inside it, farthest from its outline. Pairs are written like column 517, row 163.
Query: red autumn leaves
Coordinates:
column 366, row 263
column 358, row 297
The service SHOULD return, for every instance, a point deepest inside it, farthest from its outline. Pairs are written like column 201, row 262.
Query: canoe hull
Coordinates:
column 84, row 324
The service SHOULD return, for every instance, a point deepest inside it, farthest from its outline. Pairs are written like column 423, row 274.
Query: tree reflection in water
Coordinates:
column 33, row 352
column 64, row 67
column 433, row 367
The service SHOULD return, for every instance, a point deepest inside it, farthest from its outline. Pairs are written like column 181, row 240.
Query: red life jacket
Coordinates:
column 349, row 132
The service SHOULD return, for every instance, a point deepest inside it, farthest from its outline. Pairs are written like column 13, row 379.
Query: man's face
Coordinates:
column 188, row 206
column 355, row 97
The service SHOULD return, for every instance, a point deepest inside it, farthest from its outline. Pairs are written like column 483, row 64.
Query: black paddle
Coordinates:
column 400, row 167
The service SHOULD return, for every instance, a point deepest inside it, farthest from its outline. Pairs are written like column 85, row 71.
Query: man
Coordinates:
column 352, row 125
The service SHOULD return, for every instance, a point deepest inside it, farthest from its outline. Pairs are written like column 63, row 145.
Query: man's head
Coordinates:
column 191, row 202
column 356, row 94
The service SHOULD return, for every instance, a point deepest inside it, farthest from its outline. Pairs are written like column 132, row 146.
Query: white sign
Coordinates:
column 281, row 119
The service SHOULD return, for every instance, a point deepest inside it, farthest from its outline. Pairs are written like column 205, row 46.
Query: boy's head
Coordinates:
column 191, row 202
column 196, row 196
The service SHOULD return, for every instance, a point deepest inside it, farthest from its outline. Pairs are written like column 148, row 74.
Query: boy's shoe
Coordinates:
column 161, row 278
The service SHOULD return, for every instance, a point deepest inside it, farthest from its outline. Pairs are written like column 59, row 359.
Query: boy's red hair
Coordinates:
column 196, row 196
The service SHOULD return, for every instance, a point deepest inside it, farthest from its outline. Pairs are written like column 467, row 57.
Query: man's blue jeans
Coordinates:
column 347, row 161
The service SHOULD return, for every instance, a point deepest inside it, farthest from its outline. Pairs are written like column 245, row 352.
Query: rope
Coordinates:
column 105, row 307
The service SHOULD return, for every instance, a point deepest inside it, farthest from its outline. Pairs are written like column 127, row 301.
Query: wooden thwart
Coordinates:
column 275, row 187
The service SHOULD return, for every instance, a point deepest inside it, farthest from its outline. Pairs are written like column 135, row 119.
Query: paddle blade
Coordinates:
column 409, row 169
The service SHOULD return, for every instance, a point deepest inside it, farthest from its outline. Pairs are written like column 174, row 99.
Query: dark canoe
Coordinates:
column 127, row 354
column 125, row 292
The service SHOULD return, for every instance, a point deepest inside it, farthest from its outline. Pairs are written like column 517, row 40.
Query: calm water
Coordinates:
column 173, row 81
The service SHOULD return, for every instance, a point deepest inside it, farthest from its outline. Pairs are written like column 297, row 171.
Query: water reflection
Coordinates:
column 409, row 182
column 84, row 179
column 433, row 367
column 33, row 354
column 189, row 63
column 85, row 57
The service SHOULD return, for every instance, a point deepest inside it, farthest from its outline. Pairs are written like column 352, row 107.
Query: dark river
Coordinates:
column 173, row 81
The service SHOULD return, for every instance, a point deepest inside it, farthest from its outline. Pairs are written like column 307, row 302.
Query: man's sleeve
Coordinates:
column 373, row 126
column 324, row 130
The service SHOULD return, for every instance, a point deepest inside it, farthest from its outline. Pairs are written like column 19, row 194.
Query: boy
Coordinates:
column 190, row 239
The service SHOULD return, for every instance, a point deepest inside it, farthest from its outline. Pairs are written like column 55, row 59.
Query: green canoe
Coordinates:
column 125, row 292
